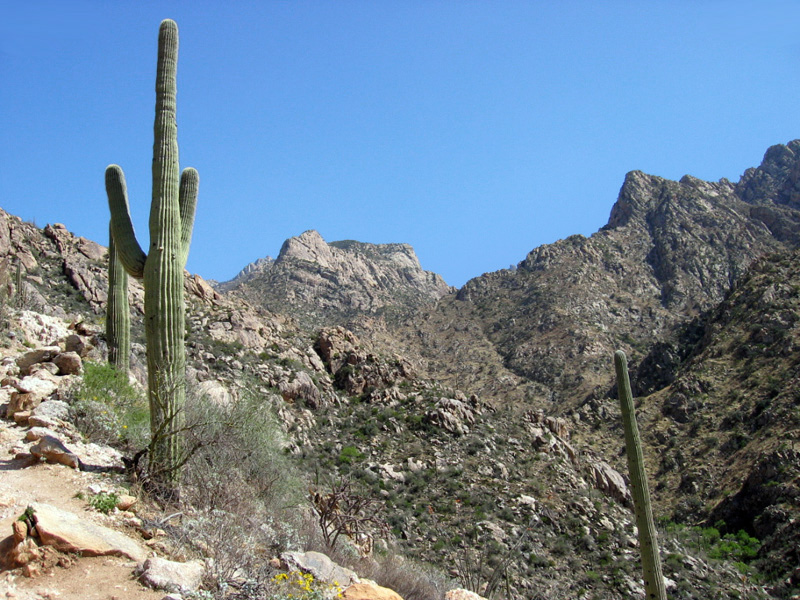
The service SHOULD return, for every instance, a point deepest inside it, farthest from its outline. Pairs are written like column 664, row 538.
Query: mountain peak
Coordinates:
column 636, row 196
column 309, row 246
column 776, row 180
column 339, row 279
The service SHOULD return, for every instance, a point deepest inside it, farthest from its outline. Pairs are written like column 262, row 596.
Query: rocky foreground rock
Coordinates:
column 67, row 532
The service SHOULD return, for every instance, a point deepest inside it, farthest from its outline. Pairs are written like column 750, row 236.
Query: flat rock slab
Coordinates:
column 320, row 566
column 163, row 574
column 68, row 532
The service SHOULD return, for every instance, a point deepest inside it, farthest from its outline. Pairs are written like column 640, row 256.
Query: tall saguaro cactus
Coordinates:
column 171, row 220
column 648, row 540
column 118, row 312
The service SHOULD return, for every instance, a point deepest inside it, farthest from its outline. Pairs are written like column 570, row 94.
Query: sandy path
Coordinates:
column 98, row 578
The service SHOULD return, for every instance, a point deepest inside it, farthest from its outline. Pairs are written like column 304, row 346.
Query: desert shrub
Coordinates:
column 350, row 454
column 411, row 580
column 739, row 547
column 236, row 446
column 106, row 408
column 104, row 502
column 301, row 586
column 239, row 543
column 244, row 489
column 343, row 512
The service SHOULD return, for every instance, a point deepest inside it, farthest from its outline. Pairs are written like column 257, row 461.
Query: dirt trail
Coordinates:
column 98, row 578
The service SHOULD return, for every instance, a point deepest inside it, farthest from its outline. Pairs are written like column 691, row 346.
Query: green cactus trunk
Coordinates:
column 171, row 220
column 18, row 285
column 648, row 539
column 118, row 312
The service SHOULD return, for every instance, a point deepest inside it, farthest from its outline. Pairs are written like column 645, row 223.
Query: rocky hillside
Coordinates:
column 727, row 430
column 652, row 282
column 670, row 251
column 324, row 283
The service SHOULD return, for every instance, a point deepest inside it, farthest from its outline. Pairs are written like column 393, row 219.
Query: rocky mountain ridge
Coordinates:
column 670, row 252
column 321, row 282
column 250, row 270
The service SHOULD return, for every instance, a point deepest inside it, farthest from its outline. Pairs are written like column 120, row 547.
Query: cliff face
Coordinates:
column 329, row 283
column 726, row 430
column 776, row 181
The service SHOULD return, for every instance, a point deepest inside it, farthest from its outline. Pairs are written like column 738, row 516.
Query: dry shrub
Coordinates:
column 412, row 580
column 238, row 455
column 348, row 517
column 243, row 491
column 343, row 511
column 409, row 579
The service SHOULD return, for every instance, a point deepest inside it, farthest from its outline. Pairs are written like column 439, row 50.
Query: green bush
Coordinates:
column 104, row 502
column 739, row 547
column 106, row 408
column 349, row 454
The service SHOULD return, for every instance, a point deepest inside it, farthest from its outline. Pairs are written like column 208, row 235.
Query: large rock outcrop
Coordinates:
column 330, row 283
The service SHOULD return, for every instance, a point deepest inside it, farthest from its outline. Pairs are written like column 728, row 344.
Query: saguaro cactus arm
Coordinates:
column 648, row 539
column 118, row 320
column 187, row 198
column 128, row 250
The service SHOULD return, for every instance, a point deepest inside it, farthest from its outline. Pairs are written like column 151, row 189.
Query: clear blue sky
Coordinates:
column 473, row 130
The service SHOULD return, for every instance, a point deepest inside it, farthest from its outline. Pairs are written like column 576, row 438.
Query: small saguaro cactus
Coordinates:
column 171, row 220
column 648, row 540
column 18, row 283
column 118, row 312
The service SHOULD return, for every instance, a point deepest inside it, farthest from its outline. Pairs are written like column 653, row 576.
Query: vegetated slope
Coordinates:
column 727, row 430
column 329, row 283
column 667, row 279
column 721, row 439
column 456, row 479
